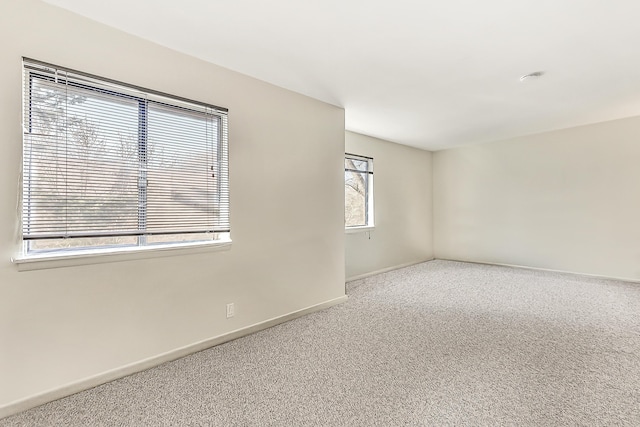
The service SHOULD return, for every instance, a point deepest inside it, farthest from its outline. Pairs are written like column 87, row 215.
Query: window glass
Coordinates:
column 105, row 165
column 358, row 191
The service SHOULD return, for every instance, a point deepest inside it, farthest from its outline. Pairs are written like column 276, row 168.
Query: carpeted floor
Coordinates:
column 439, row 343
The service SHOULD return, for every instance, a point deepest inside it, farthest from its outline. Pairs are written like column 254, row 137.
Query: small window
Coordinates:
column 358, row 191
column 107, row 165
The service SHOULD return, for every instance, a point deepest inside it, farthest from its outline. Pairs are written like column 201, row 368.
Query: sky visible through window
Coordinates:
column 356, row 191
column 85, row 149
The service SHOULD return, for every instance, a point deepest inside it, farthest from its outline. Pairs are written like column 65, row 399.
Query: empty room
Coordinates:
column 319, row 213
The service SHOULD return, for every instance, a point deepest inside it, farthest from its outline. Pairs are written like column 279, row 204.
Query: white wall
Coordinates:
column 62, row 325
column 565, row 200
column 402, row 203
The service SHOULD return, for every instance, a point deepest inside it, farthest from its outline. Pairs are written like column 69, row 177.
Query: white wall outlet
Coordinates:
column 231, row 310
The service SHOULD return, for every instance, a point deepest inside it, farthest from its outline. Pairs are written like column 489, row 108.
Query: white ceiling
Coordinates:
column 430, row 74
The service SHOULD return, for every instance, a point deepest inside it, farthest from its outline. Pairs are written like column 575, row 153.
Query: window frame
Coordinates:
column 219, row 238
column 368, row 196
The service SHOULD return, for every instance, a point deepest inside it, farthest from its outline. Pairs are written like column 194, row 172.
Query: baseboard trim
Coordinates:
column 21, row 405
column 551, row 270
column 384, row 270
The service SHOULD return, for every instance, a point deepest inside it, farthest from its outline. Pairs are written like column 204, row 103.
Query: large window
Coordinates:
column 108, row 165
column 358, row 191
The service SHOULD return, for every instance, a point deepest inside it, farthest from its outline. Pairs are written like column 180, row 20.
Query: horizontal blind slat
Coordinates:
column 98, row 157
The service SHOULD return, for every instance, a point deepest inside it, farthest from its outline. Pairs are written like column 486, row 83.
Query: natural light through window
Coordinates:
column 107, row 165
column 358, row 191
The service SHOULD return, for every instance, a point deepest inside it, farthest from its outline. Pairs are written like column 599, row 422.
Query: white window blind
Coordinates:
column 104, row 159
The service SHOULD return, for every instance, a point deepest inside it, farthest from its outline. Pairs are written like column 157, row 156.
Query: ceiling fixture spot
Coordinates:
column 532, row 76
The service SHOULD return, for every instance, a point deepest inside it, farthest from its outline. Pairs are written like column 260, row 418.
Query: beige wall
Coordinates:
column 566, row 200
column 62, row 325
column 402, row 203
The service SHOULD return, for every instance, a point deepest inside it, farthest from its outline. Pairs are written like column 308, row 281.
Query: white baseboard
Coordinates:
column 384, row 270
column 525, row 267
column 105, row 377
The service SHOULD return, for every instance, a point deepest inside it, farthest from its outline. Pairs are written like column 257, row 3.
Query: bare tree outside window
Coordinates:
column 358, row 187
column 59, row 122
column 104, row 167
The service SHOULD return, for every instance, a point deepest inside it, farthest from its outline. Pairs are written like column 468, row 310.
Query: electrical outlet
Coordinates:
column 231, row 310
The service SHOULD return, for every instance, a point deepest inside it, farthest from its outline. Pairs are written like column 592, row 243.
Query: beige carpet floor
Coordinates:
column 440, row 343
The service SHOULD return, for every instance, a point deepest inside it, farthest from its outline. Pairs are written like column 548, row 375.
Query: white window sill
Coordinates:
column 352, row 230
column 99, row 256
